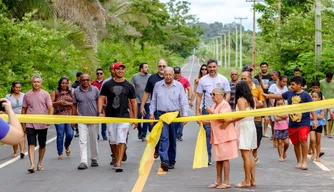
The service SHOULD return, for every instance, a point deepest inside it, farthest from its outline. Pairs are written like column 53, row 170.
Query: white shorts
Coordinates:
column 117, row 132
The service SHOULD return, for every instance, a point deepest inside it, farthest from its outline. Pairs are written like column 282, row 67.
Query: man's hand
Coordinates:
column 151, row 118
column 190, row 104
column 135, row 125
column 101, row 115
column 265, row 95
column 74, row 127
column 142, row 111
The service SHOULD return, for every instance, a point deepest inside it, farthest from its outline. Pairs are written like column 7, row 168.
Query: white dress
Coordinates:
column 247, row 132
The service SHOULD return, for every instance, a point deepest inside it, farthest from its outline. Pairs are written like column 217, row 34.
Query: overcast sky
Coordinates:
column 223, row 11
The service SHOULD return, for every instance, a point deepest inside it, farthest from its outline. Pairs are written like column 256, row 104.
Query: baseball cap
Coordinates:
column 117, row 65
column 247, row 68
column 177, row 70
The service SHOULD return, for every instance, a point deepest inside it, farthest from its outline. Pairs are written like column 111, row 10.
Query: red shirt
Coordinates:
column 184, row 81
column 98, row 84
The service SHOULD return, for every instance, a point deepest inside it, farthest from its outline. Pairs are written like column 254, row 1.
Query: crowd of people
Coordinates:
column 150, row 96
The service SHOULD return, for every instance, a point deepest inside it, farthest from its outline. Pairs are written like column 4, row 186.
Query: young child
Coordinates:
column 298, row 122
column 315, row 135
column 281, row 132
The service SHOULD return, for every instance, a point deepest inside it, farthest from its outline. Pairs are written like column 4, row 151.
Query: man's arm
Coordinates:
column 100, row 104
column 143, row 102
column 198, row 103
column 228, row 96
column 75, row 109
column 273, row 96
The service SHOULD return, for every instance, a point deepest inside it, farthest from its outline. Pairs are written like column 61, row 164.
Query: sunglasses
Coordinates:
column 86, row 80
column 204, row 69
column 99, row 73
column 214, row 94
column 163, row 66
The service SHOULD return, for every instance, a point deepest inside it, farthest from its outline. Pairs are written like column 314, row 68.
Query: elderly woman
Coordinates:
column 224, row 140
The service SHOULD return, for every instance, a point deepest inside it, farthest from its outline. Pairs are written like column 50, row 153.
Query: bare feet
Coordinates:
column 284, row 155
column 317, row 159
column 281, row 159
column 14, row 155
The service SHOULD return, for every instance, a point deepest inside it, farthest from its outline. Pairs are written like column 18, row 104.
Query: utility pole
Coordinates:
column 279, row 11
column 318, row 34
column 240, row 18
column 225, row 50
column 254, row 37
column 236, row 44
column 229, row 46
column 216, row 49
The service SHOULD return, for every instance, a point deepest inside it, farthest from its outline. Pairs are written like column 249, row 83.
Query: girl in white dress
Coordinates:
column 247, row 132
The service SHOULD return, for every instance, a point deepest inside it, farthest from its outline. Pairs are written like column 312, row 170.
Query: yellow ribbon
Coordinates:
column 153, row 138
column 296, row 108
column 201, row 152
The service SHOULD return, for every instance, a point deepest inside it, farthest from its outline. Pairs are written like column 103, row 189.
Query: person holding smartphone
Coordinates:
column 11, row 133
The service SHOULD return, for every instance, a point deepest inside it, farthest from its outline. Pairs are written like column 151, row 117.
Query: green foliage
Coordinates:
column 109, row 52
column 28, row 48
column 292, row 43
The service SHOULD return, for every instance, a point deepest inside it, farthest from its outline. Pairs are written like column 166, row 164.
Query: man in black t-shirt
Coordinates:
column 162, row 64
column 118, row 91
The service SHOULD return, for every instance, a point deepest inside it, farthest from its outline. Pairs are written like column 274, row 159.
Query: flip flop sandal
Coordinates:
column 239, row 185
column 40, row 168
column 68, row 152
column 119, row 169
column 304, row 168
column 222, row 186
column 226, row 186
column 31, row 170
column 22, row 155
column 214, row 185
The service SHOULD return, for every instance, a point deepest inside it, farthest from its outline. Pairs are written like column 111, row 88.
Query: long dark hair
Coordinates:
column 242, row 90
column 13, row 85
column 59, row 85
column 200, row 71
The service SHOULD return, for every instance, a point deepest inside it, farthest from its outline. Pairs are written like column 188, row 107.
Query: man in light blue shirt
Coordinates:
column 168, row 96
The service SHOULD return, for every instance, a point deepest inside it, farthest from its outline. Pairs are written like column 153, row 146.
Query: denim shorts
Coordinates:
column 281, row 134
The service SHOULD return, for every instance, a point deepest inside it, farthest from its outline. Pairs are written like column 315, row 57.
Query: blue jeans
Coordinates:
column 208, row 136
column 103, row 130
column 167, row 149
column 146, row 126
column 180, row 130
column 61, row 130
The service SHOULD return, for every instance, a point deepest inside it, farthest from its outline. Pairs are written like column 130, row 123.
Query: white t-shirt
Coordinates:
column 274, row 89
column 206, row 84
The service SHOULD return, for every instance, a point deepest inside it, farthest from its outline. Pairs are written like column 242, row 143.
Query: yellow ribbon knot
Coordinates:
column 154, row 137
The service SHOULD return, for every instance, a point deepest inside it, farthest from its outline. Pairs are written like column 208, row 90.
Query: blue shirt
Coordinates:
column 321, row 122
column 171, row 98
column 4, row 126
column 297, row 120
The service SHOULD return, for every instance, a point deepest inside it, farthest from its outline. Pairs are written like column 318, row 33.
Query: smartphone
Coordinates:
column 1, row 107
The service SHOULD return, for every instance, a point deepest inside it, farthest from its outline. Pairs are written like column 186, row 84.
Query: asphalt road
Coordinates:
column 62, row 175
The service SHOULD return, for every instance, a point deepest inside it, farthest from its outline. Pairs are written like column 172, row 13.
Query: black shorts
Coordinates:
column 259, row 132
column 318, row 129
column 31, row 136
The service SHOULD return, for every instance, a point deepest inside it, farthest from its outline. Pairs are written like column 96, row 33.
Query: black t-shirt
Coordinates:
column 152, row 80
column 117, row 94
column 265, row 80
column 75, row 84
